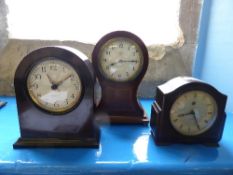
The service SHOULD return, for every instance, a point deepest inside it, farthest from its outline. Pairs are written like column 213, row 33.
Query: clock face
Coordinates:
column 54, row 85
column 120, row 59
column 193, row 113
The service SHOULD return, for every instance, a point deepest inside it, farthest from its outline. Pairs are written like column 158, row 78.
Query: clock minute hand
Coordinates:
column 123, row 61
column 195, row 118
column 129, row 61
column 61, row 81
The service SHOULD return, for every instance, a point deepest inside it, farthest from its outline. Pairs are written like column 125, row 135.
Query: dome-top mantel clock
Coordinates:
column 54, row 93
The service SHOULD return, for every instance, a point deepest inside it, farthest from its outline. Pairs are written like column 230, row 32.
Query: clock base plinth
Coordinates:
column 55, row 142
column 163, row 142
column 117, row 119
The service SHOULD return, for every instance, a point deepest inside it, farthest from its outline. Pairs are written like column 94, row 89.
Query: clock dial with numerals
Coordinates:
column 193, row 113
column 121, row 59
column 54, row 85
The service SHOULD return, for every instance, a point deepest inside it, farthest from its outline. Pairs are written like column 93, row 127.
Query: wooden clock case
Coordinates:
column 119, row 99
column 161, row 128
column 39, row 128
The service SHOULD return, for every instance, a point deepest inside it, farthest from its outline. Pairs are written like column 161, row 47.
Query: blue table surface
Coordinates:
column 123, row 150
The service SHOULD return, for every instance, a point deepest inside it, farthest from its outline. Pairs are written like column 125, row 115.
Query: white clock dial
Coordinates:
column 193, row 113
column 121, row 59
column 54, row 85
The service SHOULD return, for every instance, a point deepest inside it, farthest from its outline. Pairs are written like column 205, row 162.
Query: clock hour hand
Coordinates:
column 186, row 114
column 50, row 79
column 112, row 64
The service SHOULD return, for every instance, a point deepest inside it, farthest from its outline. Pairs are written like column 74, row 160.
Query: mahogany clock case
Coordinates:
column 161, row 128
column 119, row 99
column 40, row 128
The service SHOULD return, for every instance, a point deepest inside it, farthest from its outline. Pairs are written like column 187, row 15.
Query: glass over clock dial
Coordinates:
column 54, row 85
column 193, row 112
column 120, row 59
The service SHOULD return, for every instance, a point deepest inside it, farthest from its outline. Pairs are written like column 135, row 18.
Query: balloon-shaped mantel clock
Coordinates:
column 120, row 60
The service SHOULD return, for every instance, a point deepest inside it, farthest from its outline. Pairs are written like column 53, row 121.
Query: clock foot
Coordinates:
column 115, row 119
column 159, row 142
column 55, row 142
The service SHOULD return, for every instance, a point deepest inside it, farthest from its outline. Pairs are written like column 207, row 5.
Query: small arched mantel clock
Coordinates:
column 120, row 60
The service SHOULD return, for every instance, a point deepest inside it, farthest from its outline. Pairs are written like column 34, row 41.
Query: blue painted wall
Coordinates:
column 214, row 58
